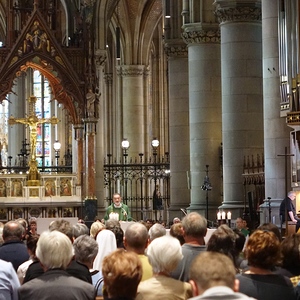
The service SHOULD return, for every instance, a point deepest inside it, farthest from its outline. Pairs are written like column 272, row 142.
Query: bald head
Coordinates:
column 12, row 230
column 136, row 238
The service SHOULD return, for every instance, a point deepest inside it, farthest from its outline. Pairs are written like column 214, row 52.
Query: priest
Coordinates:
column 118, row 210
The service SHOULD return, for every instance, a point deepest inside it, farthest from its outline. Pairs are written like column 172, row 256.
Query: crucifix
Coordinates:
column 286, row 155
column 32, row 121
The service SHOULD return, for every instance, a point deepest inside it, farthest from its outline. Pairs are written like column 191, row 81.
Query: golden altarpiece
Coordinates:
column 37, row 38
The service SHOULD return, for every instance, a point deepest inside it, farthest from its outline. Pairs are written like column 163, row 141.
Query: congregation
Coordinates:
column 147, row 261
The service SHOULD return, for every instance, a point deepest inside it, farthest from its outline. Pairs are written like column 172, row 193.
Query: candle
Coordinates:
column 223, row 215
column 229, row 215
column 219, row 215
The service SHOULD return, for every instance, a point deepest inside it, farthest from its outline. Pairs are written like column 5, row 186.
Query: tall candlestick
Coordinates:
column 219, row 215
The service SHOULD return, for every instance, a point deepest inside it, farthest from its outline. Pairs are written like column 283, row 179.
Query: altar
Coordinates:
column 58, row 195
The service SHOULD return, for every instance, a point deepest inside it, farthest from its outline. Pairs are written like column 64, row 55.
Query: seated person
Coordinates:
column 55, row 283
column 122, row 273
column 164, row 254
column 287, row 207
column 212, row 276
column 260, row 282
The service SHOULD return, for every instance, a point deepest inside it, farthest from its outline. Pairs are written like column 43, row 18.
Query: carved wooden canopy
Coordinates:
column 36, row 47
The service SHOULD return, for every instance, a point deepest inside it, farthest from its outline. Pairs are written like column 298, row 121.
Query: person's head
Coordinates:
column 95, row 228
column 239, row 223
column 210, row 269
column 290, row 249
column 263, row 250
column 24, row 224
column 33, row 225
column 136, row 238
column 32, row 244
column 86, row 249
column 164, row 254
column 176, row 220
column 79, row 229
column 117, row 199
column 240, row 240
column 122, row 273
column 49, row 250
column 112, row 223
column 13, row 230
column 271, row 227
column 107, row 243
column 156, row 231
column 63, row 226
column 119, row 233
column 177, row 232
column 292, row 195
column 194, row 226
column 223, row 241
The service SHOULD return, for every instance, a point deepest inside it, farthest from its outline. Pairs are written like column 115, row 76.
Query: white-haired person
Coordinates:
column 55, row 252
column 164, row 254
column 212, row 276
column 155, row 231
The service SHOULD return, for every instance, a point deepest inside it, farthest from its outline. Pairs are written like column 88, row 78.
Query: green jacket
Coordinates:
column 123, row 211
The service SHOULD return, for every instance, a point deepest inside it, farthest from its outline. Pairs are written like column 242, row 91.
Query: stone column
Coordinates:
column 78, row 131
column 17, row 108
column 134, row 116
column 204, row 116
column 242, row 103
column 90, row 145
column 179, row 126
column 100, row 59
column 276, row 131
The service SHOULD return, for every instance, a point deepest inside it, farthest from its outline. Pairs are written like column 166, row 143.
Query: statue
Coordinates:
column 4, row 155
column 32, row 121
column 92, row 103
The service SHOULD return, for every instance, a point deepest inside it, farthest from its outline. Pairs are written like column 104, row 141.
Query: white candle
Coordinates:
column 229, row 215
column 219, row 215
column 223, row 215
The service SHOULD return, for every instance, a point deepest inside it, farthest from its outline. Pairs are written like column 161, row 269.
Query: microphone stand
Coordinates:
column 270, row 210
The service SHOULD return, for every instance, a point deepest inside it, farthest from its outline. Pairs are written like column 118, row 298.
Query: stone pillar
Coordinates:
column 100, row 59
column 90, row 145
column 204, row 116
column 276, row 131
column 78, row 130
column 134, row 116
column 242, row 103
column 179, row 126
column 17, row 108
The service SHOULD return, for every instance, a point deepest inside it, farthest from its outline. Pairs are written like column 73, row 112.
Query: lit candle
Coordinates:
column 219, row 215
column 223, row 215
column 229, row 215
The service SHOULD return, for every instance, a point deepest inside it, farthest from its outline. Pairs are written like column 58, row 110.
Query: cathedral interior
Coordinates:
column 177, row 105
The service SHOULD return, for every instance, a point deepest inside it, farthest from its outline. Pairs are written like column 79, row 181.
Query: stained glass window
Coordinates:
column 41, row 90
